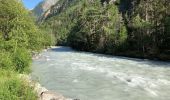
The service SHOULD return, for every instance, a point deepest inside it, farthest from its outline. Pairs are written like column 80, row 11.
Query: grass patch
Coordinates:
column 13, row 88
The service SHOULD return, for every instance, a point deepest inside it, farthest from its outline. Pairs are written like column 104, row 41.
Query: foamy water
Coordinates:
column 89, row 76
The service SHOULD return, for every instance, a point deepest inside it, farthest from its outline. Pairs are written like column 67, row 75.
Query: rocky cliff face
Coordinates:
column 49, row 8
column 58, row 7
column 43, row 6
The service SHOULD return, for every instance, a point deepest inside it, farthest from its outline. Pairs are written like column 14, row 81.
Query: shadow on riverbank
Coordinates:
column 152, row 63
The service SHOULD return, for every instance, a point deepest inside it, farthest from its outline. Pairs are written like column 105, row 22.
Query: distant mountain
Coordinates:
column 42, row 7
column 52, row 10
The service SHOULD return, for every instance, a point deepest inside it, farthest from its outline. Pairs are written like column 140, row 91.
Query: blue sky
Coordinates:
column 30, row 4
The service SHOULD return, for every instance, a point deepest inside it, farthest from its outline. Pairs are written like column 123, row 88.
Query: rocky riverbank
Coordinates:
column 42, row 92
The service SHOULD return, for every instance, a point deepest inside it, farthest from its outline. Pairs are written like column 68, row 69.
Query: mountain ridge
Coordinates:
column 42, row 7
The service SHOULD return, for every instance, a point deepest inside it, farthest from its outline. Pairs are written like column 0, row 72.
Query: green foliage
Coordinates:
column 6, row 60
column 13, row 88
column 19, row 36
column 60, row 25
column 138, row 28
column 87, row 25
column 22, row 60
column 98, row 29
column 146, row 22
column 167, row 25
column 140, row 23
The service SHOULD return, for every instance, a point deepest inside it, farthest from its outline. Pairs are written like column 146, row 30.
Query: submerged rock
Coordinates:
column 128, row 80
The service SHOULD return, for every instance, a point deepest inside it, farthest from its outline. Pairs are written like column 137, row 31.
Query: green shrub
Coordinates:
column 21, row 60
column 19, row 36
column 6, row 61
column 13, row 88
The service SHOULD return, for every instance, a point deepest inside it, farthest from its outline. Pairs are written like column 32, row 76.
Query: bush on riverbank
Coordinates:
column 13, row 88
column 19, row 37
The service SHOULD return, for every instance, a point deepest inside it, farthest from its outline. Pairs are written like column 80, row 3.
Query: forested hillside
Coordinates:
column 133, row 28
column 19, row 37
column 136, row 28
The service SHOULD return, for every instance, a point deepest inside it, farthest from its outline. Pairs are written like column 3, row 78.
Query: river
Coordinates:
column 89, row 76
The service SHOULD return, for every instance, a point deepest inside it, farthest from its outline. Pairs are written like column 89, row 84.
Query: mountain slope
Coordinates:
column 43, row 7
column 120, row 27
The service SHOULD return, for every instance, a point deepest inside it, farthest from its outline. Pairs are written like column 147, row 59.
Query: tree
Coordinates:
column 98, row 29
column 19, row 35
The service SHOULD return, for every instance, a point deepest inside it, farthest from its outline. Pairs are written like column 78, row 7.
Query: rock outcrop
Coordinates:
column 44, row 94
column 42, row 7
column 52, row 9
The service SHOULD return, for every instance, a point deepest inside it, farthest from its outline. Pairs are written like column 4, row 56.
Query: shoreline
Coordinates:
column 42, row 92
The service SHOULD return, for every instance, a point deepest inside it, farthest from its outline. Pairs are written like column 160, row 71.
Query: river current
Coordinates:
column 89, row 76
